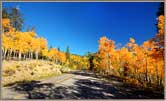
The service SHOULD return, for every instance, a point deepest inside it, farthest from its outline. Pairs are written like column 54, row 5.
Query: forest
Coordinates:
column 142, row 65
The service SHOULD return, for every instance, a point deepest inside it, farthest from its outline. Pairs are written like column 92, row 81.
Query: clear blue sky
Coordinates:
column 80, row 25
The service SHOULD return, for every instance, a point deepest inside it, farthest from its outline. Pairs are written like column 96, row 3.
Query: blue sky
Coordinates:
column 80, row 25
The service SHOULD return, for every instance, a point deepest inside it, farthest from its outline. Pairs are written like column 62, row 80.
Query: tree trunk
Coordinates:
column 5, row 53
column 8, row 54
column 36, row 55
column 19, row 56
column 146, row 71
column 160, row 79
column 11, row 53
column 2, row 52
column 24, row 56
column 31, row 57
column 157, row 75
column 29, row 53
column 150, row 81
column 14, row 54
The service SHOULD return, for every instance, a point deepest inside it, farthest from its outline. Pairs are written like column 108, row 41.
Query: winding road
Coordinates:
column 76, row 85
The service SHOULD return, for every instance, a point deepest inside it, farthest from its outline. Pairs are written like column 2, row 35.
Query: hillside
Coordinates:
column 16, row 71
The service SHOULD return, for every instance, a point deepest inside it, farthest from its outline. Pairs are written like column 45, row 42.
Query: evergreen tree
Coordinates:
column 161, row 9
column 68, row 54
column 16, row 19
column 59, row 49
column 5, row 13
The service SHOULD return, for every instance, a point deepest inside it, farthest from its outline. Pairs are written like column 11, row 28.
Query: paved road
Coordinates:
column 75, row 85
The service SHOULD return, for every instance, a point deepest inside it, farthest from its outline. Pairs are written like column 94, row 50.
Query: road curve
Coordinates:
column 75, row 85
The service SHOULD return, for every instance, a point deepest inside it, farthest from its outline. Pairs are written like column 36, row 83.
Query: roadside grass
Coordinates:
column 26, row 71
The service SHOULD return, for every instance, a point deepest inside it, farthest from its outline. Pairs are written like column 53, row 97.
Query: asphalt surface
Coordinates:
column 76, row 85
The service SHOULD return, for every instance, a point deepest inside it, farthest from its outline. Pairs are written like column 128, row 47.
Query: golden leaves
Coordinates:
column 5, row 22
column 132, row 40
column 136, row 59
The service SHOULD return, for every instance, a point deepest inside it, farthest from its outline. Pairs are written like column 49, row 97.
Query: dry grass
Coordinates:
column 16, row 71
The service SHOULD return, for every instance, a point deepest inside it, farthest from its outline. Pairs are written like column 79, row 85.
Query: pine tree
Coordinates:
column 68, row 54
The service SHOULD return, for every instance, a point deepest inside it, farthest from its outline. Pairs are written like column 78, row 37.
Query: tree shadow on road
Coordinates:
column 84, row 73
column 82, row 89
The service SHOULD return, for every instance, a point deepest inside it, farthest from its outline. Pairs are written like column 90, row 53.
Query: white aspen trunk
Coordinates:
column 24, row 56
column 31, row 55
column 36, row 55
column 14, row 54
column 8, row 54
column 19, row 56
column 5, row 53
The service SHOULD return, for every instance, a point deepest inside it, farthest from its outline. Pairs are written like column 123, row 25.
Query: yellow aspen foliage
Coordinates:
column 45, row 52
column 144, row 62
column 5, row 22
column 132, row 40
column 62, row 57
column 52, row 54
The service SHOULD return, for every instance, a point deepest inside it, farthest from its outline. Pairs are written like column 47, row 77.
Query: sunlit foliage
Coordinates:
column 144, row 63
